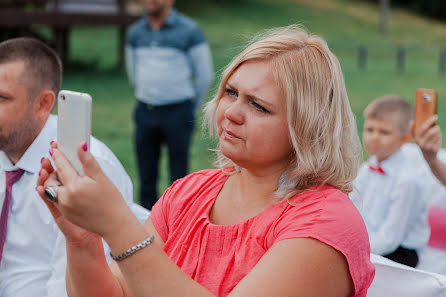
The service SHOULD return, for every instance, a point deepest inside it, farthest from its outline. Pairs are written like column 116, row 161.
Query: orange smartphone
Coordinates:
column 425, row 106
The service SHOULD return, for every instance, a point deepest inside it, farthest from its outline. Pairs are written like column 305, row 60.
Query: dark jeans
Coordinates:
column 404, row 256
column 170, row 124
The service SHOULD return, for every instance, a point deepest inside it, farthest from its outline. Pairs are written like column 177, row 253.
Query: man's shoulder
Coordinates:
column 189, row 27
column 98, row 145
column 112, row 167
column 101, row 151
column 139, row 22
column 105, row 157
column 185, row 20
column 137, row 26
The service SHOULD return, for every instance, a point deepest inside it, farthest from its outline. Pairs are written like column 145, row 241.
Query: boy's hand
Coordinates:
column 428, row 138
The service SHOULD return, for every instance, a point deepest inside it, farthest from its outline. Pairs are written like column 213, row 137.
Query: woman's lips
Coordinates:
column 230, row 135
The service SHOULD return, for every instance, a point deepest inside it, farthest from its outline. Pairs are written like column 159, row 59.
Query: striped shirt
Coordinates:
column 169, row 65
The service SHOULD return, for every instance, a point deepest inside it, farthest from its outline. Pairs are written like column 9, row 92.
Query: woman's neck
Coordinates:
column 243, row 196
column 253, row 189
column 257, row 184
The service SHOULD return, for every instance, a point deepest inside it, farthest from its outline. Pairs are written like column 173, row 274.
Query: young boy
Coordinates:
column 393, row 206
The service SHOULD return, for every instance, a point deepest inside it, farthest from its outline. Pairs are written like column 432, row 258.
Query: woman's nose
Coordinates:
column 234, row 112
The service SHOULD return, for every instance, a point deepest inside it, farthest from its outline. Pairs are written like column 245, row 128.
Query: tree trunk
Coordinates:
column 384, row 15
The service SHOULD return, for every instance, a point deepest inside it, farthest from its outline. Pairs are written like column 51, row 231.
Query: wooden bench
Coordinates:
column 61, row 15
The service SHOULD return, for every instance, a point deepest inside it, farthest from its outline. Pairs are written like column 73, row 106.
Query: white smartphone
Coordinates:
column 73, row 124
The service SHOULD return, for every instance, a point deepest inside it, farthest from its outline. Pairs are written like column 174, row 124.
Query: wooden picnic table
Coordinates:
column 62, row 15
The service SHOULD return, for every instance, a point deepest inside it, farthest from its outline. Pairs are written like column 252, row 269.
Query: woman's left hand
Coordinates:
column 91, row 201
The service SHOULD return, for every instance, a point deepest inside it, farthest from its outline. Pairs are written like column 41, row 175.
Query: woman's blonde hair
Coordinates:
column 321, row 124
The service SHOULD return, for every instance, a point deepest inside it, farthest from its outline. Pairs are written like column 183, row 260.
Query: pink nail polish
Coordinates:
column 40, row 171
column 85, row 147
column 52, row 142
column 41, row 160
column 51, row 152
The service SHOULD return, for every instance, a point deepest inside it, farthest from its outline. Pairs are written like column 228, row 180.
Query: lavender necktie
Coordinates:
column 11, row 178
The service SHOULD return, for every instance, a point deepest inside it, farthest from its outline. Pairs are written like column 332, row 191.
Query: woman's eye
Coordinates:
column 231, row 92
column 259, row 107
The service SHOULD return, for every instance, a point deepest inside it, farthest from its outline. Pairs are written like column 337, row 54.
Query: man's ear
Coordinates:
column 44, row 103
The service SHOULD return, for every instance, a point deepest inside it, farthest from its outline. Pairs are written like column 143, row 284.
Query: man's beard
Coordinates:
column 22, row 135
column 156, row 12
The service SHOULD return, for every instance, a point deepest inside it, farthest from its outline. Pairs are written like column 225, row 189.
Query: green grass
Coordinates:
column 345, row 24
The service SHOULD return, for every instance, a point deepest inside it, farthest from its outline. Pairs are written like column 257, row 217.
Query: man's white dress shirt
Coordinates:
column 34, row 258
column 392, row 204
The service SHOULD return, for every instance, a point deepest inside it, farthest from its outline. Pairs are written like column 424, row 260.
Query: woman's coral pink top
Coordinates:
column 219, row 256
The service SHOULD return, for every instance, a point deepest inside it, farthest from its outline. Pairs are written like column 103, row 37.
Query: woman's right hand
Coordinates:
column 91, row 202
column 73, row 233
column 86, row 262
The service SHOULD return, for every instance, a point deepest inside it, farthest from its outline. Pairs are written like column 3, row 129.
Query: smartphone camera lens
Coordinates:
column 426, row 97
column 63, row 97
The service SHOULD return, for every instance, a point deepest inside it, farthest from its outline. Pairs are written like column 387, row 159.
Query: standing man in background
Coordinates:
column 170, row 66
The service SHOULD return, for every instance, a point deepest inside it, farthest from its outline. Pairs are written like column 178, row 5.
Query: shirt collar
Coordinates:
column 30, row 161
column 390, row 163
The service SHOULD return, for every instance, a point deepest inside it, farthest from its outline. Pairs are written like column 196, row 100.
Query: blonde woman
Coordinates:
column 274, row 220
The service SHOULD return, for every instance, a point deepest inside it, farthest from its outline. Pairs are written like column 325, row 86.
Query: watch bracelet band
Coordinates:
column 148, row 241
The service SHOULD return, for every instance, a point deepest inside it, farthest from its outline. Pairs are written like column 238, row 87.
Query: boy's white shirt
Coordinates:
column 393, row 205
column 431, row 259
column 435, row 190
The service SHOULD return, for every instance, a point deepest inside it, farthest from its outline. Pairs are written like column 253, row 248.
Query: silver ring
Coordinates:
column 51, row 193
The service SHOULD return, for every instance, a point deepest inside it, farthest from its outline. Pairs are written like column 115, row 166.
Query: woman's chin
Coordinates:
column 230, row 154
column 227, row 154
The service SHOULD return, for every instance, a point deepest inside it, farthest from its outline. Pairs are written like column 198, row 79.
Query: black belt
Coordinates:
column 164, row 106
